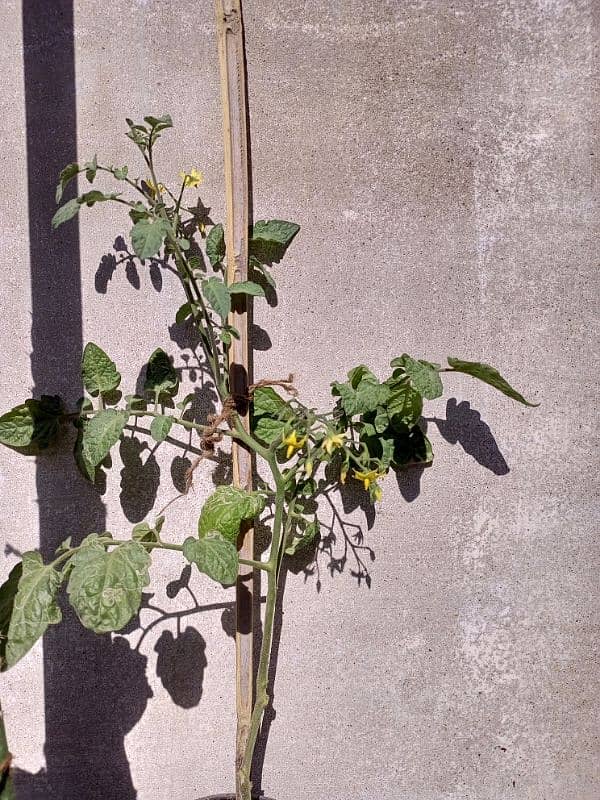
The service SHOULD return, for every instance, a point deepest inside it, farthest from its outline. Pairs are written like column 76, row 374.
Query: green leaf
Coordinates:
column 159, row 123
column 144, row 532
column 66, row 176
column 64, row 545
column 356, row 375
column 367, row 395
column 381, row 419
column 98, row 371
column 70, row 209
column 90, row 198
column 160, row 428
column 17, row 426
column 8, row 592
column 267, row 401
column 270, row 240
column 424, row 376
column 405, row 406
column 215, row 245
column 302, row 542
column 34, row 606
column 379, row 446
column 91, row 167
column 147, row 236
column 187, row 400
column 267, row 429
column 225, row 509
column 213, row 555
column 161, row 377
column 138, row 134
column 65, row 213
column 120, row 173
column 247, row 287
column 105, row 588
column 100, row 433
column 87, row 469
column 263, row 271
column 217, row 295
column 183, row 313
column 139, row 212
column 489, row 375
column 35, row 422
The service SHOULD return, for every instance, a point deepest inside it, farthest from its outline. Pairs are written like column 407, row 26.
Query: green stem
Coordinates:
column 178, row 203
column 109, row 542
column 264, row 565
column 207, row 334
column 185, row 423
column 237, row 432
column 127, row 180
column 256, row 564
column 262, row 676
column 240, row 433
column 190, row 283
column 7, row 789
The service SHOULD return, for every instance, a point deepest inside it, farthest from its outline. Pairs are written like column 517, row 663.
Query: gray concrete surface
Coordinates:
column 441, row 159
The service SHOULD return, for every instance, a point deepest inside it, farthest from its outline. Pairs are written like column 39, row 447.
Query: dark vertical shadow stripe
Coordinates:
column 95, row 688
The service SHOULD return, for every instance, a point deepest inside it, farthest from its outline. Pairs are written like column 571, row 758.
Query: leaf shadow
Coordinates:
column 180, row 665
column 122, row 256
column 140, row 479
column 463, row 425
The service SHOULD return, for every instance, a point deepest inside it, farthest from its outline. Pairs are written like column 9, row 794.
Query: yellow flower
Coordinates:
column 333, row 440
column 293, row 443
column 366, row 477
column 192, row 178
column 308, row 469
column 376, row 492
column 152, row 188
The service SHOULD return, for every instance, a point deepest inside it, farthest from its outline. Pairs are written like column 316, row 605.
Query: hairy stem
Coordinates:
column 262, row 676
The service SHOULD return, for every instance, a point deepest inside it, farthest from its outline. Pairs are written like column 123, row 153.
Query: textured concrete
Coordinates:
column 441, row 159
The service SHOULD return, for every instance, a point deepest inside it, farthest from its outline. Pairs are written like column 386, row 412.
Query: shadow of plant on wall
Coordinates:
column 463, row 425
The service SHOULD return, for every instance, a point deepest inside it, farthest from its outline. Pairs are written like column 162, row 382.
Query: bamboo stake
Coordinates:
column 230, row 36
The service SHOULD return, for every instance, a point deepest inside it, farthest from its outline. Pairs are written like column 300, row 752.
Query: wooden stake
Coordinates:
column 233, row 96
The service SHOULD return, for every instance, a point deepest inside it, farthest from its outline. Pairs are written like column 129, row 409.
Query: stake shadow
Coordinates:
column 95, row 687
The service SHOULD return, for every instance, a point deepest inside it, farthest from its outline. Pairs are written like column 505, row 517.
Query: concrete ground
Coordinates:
column 441, row 160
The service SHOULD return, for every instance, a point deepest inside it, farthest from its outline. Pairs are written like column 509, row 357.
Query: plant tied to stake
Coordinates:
column 372, row 426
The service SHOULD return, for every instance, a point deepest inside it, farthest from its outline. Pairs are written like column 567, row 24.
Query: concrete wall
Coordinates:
column 440, row 158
